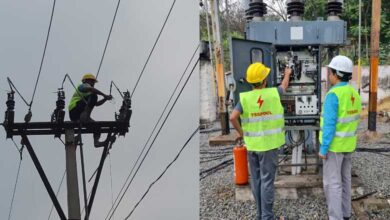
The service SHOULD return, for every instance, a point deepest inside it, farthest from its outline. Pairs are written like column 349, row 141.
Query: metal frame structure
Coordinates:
column 57, row 127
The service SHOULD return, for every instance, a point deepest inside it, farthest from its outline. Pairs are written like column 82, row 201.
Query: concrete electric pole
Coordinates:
column 218, row 51
column 374, row 62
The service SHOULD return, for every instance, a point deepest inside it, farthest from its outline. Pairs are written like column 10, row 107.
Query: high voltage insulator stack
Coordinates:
column 257, row 9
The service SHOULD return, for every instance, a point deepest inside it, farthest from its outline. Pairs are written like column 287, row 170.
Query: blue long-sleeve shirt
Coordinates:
column 329, row 114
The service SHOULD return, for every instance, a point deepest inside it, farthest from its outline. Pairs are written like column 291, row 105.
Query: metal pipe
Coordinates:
column 374, row 62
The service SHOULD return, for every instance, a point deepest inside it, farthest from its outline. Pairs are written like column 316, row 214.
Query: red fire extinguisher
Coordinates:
column 240, row 164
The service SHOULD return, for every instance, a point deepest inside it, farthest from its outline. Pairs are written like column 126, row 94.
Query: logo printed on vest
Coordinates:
column 260, row 101
column 352, row 112
column 352, row 100
column 258, row 114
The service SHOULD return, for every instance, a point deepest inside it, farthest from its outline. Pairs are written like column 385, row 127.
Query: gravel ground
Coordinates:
column 217, row 196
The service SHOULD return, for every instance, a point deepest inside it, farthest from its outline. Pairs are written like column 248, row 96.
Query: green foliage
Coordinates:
column 314, row 9
column 351, row 16
column 233, row 23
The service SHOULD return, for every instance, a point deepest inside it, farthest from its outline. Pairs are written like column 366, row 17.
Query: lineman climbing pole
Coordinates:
column 57, row 127
column 222, row 110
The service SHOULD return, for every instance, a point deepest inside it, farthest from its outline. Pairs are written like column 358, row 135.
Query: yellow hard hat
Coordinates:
column 89, row 76
column 257, row 72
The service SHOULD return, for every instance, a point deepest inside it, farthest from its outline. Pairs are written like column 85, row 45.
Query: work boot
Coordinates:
column 96, row 141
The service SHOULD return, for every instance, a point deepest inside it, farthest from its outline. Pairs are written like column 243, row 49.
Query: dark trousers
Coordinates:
column 75, row 113
column 262, row 169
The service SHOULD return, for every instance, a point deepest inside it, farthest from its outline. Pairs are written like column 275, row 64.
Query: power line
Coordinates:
column 154, row 139
column 43, row 55
column 58, row 190
column 16, row 181
column 165, row 170
column 155, row 126
column 16, row 146
column 154, row 45
column 108, row 38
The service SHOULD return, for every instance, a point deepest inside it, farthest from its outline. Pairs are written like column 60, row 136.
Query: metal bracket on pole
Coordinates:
column 99, row 172
column 43, row 176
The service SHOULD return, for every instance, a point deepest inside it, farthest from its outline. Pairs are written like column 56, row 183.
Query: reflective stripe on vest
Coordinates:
column 77, row 96
column 348, row 117
column 263, row 133
column 262, row 119
column 344, row 134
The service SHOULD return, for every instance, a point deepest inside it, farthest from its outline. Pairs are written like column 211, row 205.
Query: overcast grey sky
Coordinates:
column 76, row 43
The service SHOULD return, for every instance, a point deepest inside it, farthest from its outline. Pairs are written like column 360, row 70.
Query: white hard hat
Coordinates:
column 341, row 63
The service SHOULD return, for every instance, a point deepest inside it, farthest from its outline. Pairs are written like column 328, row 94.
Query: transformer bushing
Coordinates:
column 257, row 9
column 334, row 9
column 295, row 9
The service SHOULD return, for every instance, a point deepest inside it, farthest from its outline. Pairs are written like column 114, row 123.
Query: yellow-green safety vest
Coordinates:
column 348, row 117
column 262, row 119
column 77, row 96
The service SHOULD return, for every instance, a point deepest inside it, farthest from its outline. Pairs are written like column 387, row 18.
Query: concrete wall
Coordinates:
column 208, row 95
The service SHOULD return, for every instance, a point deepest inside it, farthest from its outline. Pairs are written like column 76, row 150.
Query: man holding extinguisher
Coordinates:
column 262, row 128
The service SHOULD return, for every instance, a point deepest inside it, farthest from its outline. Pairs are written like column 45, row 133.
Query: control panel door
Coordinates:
column 242, row 54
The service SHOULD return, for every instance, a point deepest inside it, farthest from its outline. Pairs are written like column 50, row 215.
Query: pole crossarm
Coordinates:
column 48, row 128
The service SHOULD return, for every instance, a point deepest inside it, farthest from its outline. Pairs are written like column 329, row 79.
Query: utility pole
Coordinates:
column 71, row 176
column 359, row 48
column 206, row 7
column 374, row 62
column 224, row 117
column 57, row 127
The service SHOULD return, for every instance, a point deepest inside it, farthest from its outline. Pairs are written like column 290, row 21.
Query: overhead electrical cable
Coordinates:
column 162, row 174
column 155, row 126
column 108, row 38
column 154, row 139
column 58, row 191
column 16, row 180
column 43, row 55
column 151, row 51
column 16, row 146
column 14, row 192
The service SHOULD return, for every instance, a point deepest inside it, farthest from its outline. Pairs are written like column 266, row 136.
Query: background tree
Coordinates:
column 232, row 16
